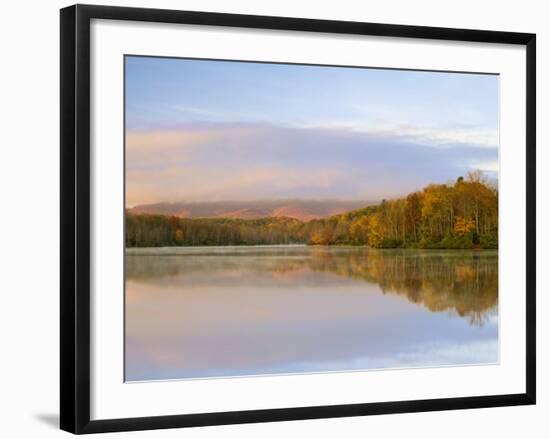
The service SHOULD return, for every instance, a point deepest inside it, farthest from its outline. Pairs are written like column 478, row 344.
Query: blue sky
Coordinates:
column 215, row 130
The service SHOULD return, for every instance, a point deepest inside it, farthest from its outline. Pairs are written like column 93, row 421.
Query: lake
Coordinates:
column 195, row 312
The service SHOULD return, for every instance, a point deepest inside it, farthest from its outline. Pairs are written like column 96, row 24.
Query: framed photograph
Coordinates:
column 268, row 219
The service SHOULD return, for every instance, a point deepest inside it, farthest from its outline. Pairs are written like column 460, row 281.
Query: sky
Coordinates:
column 201, row 130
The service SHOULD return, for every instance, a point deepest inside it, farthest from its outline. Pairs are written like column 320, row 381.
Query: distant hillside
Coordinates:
column 303, row 210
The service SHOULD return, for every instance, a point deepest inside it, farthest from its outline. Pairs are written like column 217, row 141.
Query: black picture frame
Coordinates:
column 75, row 217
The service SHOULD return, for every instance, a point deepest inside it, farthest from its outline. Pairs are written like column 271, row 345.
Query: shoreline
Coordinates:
column 131, row 250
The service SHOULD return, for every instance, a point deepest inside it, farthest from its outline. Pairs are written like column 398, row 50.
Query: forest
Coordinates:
column 458, row 215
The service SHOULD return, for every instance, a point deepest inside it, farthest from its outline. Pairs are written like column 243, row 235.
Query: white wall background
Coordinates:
column 29, row 200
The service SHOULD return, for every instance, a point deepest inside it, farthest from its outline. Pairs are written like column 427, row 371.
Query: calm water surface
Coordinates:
column 229, row 311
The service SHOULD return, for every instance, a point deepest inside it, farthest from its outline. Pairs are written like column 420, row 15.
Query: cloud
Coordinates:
column 487, row 166
column 216, row 115
column 227, row 161
column 472, row 136
column 215, row 183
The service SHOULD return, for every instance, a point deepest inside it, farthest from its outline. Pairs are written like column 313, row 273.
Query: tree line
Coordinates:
column 462, row 214
column 147, row 230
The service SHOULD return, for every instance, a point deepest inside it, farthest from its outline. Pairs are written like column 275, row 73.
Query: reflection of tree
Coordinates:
column 465, row 282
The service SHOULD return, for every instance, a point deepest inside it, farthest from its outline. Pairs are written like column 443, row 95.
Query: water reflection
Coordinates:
column 199, row 312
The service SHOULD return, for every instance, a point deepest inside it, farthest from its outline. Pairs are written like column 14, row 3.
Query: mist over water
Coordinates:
column 233, row 311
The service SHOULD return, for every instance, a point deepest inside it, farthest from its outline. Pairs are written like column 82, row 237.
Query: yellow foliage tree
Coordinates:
column 375, row 232
column 359, row 229
column 463, row 226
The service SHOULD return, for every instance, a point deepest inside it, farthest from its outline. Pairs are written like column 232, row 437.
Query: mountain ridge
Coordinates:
column 303, row 210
